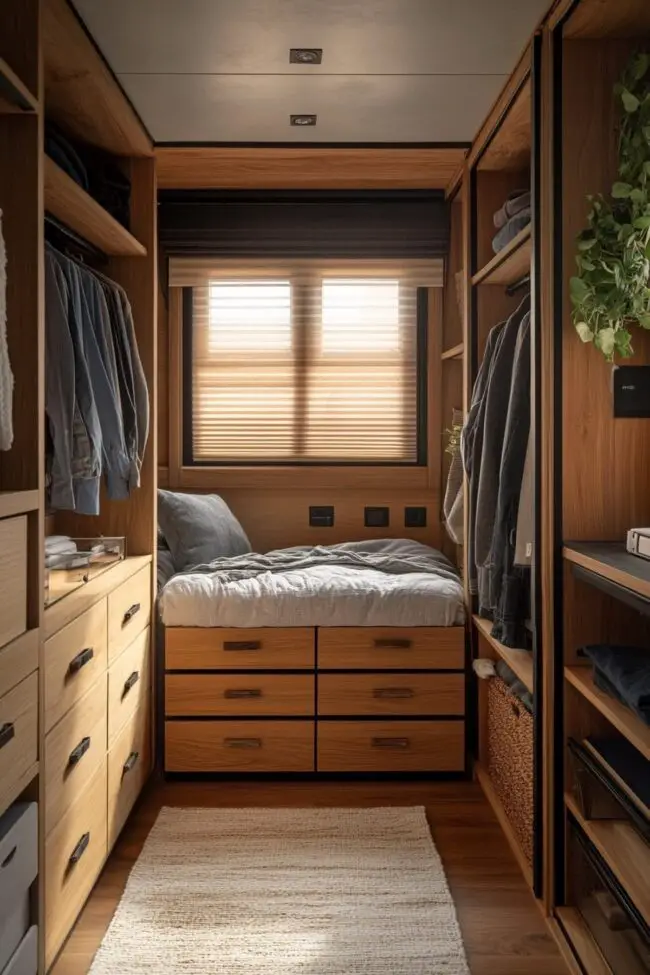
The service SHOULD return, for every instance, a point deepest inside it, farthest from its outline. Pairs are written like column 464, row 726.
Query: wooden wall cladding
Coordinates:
column 606, row 467
column 306, row 168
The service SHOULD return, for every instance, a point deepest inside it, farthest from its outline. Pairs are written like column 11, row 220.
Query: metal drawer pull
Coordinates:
column 78, row 753
column 130, row 763
column 393, row 692
column 79, row 850
column 393, row 644
column 130, row 613
column 242, row 645
column 236, row 693
column 393, row 743
column 243, row 742
column 7, row 733
column 130, row 682
column 9, row 857
column 81, row 660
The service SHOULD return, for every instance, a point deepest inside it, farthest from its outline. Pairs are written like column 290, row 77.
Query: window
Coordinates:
column 309, row 364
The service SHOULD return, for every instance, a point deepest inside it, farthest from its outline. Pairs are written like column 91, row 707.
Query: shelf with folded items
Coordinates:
column 15, row 96
column 519, row 661
column 69, row 203
column 510, row 264
column 612, row 562
column 621, row 717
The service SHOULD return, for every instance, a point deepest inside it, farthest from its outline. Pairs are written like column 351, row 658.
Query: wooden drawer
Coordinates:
column 75, row 852
column 13, row 578
column 74, row 659
column 129, row 764
column 18, row 735
column 239, row 695
column 18, row 660
column 129, row 611
column 199, row 648
column 239, row 746
column 391, row 648
column 129, row 683
column 391, row 746
column 392, row 693
column 74, row 750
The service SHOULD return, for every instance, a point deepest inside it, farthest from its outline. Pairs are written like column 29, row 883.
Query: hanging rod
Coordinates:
column 71, row 237
column 516, row 286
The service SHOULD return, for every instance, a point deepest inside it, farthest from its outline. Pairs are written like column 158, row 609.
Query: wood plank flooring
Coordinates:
column 502, row 927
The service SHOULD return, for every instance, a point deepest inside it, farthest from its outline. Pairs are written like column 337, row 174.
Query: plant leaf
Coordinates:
column 621, row 191
column 630, row 101
column 606, row 341
column 640, row 65
column 584, row 332
column 578, row 288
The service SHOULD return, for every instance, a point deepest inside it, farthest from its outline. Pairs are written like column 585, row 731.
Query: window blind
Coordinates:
column 307, row 362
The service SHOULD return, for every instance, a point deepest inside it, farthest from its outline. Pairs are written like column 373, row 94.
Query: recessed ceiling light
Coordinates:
column 302, row 120
column 306, row 55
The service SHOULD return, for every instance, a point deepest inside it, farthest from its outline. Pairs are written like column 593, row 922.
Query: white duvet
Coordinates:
column 319, row 596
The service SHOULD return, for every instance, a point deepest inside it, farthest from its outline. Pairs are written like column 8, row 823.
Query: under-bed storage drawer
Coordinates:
column 239, row 746
column 391, row 648
column 394, row 693
column 202, row 648
column 129, row 611
column 391, row 746
column 129, row 764
column 74, row 659
column 239, row 695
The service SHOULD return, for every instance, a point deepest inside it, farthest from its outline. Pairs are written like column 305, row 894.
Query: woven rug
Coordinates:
column 286, row 892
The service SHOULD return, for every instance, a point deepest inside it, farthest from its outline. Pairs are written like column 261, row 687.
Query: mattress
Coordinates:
column 319, row 596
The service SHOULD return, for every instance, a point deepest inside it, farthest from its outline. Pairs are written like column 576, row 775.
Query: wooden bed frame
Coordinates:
column 314, row 699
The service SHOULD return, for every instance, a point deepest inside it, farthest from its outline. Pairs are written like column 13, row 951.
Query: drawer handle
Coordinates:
column 393, row 692
column 9, row 857
column 393, row 644
column 238, row 645
column 78, row 753
column 130, row 763
column 7, row 733
column 236, row 693
column 391, row 743
column 243, row 742
column 130, row 613
column 130, row 682
column 81, row 660
column 79, row 850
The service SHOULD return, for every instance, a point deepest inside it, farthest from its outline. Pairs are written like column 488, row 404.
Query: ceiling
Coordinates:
column 392, row 70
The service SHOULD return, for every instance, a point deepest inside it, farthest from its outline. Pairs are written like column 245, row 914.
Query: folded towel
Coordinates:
column 59, row 543
column 61, row 548
column 511, row 229
column 624, row 673
column 519, row 200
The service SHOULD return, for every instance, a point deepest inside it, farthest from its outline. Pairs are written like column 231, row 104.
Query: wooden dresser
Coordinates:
column 315, row 700
column 97, row 747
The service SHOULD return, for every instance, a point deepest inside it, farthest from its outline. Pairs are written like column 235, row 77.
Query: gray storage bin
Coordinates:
column 24, row 961
column 18, row 871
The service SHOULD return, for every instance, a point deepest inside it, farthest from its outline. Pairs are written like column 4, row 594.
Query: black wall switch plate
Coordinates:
column 632, row 391
column 376, row 517
column 415, row 517
column 321, row 516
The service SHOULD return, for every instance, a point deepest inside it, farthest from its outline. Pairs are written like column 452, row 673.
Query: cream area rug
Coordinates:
column 286, row 892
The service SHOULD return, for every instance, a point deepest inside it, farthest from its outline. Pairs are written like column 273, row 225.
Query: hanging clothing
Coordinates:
column 6, row 375
column 525, row 544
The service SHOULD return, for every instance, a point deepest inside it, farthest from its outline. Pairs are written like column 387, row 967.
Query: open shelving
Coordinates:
column 519, row 661
column 14, row 95
column 624, row 720
column 611, row 561
column 510, row 264
column 485, row 782
column 456, row 352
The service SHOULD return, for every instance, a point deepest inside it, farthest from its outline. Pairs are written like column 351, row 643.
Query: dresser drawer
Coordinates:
column 74, row 659
column 391, row 648
column 129, row 683
column 18, row 660
column 75, row 852
column 391, row 746
column 129, row 764
column 391, row 693
column 74, row 751
column 239, row 695
column 239, row 746
column 270, row 648
column 18, row 735
column 129, row 611
column 13, row 578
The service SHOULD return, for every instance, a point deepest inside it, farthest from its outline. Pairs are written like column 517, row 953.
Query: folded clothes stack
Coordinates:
column 623, row 673
column 59, row 550
column 511, row 218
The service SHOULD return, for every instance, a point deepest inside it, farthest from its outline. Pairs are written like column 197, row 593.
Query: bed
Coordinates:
column 317, row 659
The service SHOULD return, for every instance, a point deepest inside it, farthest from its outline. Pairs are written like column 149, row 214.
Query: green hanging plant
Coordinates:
column 611, row 292
column 453, row 435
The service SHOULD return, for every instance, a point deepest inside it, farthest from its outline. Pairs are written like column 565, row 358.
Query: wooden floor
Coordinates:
column 503, row 929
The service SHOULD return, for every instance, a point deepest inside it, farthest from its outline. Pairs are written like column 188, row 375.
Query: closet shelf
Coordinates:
column 14, row 95
column 582, row 941
column 18, row 502
column 71, row 204
column 489, row 791
column 519, row 661
column 624, row 720
column 510, row 264
column 613, row 562
column 624, row 852
column 456, row 352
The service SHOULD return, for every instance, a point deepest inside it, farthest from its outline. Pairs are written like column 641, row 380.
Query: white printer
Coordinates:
column 638, row 542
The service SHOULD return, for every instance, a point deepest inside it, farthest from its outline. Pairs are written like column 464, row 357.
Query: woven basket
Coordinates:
column 510, row 759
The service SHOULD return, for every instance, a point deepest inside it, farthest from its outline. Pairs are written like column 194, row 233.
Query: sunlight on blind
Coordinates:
column 255, row 315
column 360, row 315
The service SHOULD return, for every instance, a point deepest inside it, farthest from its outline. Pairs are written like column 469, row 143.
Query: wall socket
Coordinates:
column 415, row 517
column 376, row 517
column 321, row 516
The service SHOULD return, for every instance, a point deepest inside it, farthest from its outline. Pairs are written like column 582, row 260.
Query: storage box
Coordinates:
column 18, row 871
